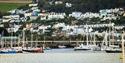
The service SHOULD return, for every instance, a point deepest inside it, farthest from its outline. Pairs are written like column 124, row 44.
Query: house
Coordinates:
column 27, row 14
column 54, row 15
column 58, row 2
column 33, row 17
column 1, row 25
column 33, row 5
column 68, row 5
column 59, row 25
column 89, row 15
column 77, row 15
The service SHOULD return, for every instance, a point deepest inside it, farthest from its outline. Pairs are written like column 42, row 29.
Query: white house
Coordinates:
column 77, row 15
column 89, row 15
column 33, row 5
column 68, row 5
column 58, row 2
column 43, row 16
column 54, row 15
column 27, row 14
column 59, row 25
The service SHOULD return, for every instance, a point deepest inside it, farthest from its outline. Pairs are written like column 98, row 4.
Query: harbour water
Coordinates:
column 62, row 56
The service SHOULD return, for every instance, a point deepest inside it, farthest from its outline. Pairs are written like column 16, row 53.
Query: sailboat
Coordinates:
column 4, row 49
column 84, row 47
column 113, row 48
column 31, row 49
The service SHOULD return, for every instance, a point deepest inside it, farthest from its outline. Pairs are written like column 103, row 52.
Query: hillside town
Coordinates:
column 31, row 26
column 41, row 21
column 62, row 31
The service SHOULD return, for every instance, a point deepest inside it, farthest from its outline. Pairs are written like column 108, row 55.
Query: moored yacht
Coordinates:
column 113, row 49
column 82, row 47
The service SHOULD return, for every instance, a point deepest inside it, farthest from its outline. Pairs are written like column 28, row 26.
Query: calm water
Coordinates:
column 62, row 56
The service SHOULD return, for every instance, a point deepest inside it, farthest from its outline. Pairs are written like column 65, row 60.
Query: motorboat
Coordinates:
column 113, row 49
column 82, row 47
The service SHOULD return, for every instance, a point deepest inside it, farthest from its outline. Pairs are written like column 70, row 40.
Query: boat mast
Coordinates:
column 123, row 51
column 18, row 41
column 11, row 45
column 2, row 41
column 109, row 43
column 113, row 40
column 23, row 37
column 94, row 39
column 87, row 34
column 31, row 39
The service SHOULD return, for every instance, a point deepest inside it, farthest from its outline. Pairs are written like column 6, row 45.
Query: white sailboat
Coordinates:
column 113, row 48
column 84, row 47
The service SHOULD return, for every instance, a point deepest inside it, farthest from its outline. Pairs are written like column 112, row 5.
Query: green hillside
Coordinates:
column 9, row 6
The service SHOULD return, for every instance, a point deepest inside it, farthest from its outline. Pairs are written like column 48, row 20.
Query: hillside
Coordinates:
column 81, row 5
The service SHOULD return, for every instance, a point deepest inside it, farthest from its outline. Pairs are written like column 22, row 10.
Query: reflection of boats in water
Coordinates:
column 82, row 47
column 113, row 49
column 33, row 50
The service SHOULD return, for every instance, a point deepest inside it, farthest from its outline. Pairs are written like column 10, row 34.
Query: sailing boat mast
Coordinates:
column 11, row 45
column 113, row 40
column 23, row 38
column 94, row 39
column 31, row 39
column 123, row 51
column 87, row 34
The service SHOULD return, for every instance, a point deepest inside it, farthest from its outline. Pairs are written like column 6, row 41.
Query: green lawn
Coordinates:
column 9, row 6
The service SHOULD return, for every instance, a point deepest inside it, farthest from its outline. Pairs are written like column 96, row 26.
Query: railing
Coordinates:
column 63, row 41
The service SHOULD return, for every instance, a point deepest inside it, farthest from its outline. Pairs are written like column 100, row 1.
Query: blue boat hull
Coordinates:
column 7, row 52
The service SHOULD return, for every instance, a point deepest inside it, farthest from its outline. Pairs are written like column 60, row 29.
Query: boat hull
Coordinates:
column 8, row 52
column 32, row 51
column 78, row 49
column 110, row 51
